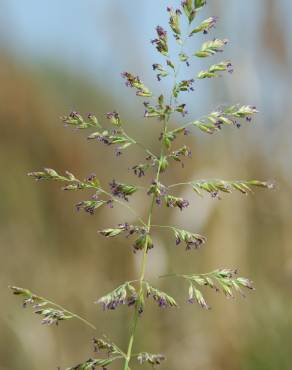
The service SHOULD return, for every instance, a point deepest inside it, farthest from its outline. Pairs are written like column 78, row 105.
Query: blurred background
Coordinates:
column 62, row 55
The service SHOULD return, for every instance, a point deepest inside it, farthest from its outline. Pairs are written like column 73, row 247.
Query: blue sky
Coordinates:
column 101, row 38
column 90, row 32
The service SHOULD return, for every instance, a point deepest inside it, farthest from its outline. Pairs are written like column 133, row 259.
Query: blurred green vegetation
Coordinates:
column 56, row 252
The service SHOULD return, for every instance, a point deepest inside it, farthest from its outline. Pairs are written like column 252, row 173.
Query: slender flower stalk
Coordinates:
column 135, row 293
column 139, row 303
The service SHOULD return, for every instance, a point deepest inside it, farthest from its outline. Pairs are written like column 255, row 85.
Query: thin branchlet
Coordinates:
column 51, row 312
column 183, row 26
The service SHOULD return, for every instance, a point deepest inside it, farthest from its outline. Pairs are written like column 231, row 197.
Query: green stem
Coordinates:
column 141, row 279
column 99, row 189
column 149, row 226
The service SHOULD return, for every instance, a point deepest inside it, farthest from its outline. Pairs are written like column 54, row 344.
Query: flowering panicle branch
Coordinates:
column 51, row 312
column 114, row 137
column 217, row 187
column 117, row 190
column 91, row 182
column 223, row 116
column 225, row 280
column 163, row 300
column 123, row 295
column 74, row 119
column 110, row 351
column 133, row 293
